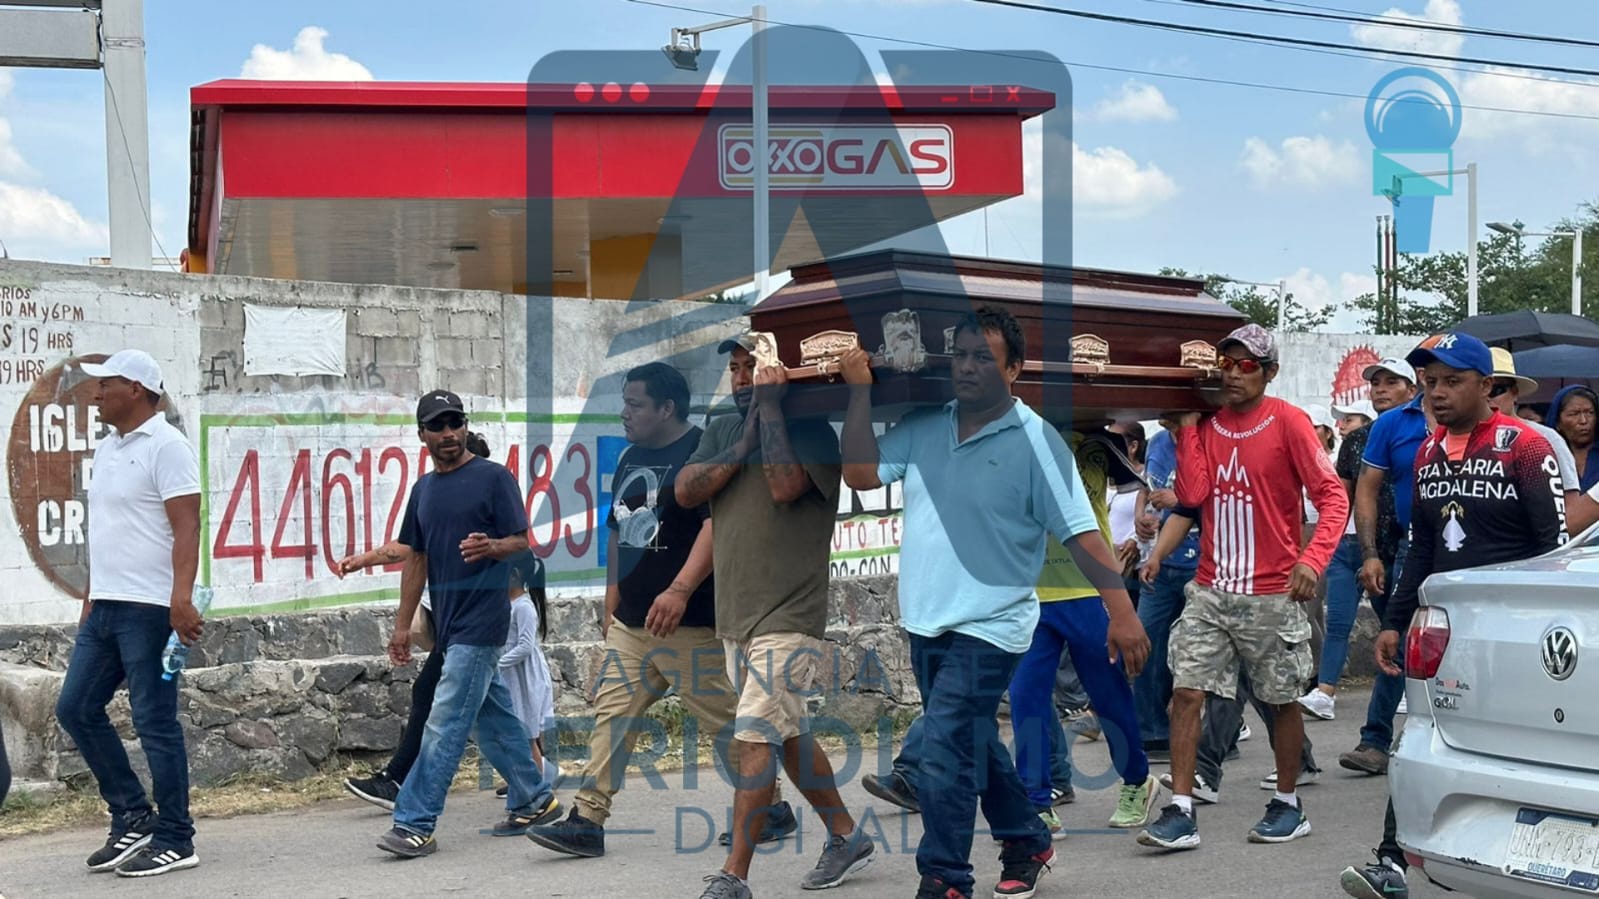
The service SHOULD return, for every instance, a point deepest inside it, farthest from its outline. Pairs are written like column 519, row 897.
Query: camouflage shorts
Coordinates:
column 1268, row 636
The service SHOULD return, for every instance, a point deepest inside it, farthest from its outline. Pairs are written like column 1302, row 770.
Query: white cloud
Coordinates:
column 1416, row 40
column 307, row 61
column 1312, row 162
column 1313, row 291
column 11, row 162
column 1135, row 102
column 1106, row 181
column 1507, row 88
column 39, row 224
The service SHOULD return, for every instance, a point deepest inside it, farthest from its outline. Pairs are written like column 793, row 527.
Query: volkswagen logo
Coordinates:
column 1559, row 653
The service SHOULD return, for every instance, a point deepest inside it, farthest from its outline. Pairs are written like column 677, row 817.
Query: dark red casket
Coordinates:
column 1101, row 345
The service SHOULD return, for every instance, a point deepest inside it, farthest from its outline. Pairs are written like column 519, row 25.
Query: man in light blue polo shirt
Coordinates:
column 986, row 482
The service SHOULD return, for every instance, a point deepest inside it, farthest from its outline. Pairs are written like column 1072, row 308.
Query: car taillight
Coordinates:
column 1424, row 647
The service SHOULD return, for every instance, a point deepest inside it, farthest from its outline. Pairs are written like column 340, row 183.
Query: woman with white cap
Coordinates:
column 1342, row 588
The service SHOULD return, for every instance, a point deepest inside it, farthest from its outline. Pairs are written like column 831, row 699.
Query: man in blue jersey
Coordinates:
column 1162, row 598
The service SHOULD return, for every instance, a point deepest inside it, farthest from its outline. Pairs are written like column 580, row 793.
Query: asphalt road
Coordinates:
column 328, row 851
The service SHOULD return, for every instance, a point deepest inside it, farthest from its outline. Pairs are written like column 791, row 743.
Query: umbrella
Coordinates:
column 1525, row 330
column 1555, row 367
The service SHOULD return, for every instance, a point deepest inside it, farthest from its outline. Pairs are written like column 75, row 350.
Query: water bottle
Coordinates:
column 176, row 654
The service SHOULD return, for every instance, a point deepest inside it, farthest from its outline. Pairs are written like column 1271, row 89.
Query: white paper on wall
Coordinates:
column 293, row 341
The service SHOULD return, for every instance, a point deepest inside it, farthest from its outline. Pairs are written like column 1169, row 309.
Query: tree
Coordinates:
column 1258, row 306
column 1432, row 290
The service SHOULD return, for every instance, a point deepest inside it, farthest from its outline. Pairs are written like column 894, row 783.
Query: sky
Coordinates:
column 1170, row 167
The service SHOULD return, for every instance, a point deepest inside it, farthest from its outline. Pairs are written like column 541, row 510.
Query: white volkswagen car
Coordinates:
column 1495, row 779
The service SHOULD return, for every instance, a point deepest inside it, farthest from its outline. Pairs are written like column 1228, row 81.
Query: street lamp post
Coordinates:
column 1576, row 254
column 1281, row 286
column 1470, row 171
column 683, row 52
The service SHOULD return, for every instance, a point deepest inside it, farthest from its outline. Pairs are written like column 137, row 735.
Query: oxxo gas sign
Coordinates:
column 841, row 157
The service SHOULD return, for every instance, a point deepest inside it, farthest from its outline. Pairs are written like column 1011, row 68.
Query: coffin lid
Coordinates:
column 896, row 272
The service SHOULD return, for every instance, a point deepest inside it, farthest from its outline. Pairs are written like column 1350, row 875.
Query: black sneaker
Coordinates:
column 152, row 861
column 1175, row 829
column 119, row 847
column 1383, row 880
column 575, row 836
column 892, row 789
column 780, row 822
column 1018, row 877
column 516, row 824
column 933, row 888
column 1062, row 795
column 841, row 857
column 406, row 844
column 378, row 790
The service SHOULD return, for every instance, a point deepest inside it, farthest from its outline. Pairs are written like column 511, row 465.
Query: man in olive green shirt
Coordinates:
column 773, row 489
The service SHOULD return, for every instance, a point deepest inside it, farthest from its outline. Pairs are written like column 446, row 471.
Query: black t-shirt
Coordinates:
column 470, row 602
column 1349, row 468
column 654, row 534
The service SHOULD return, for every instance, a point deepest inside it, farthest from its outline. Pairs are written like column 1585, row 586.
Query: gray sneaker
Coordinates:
column 723, row 885
column 841, row 857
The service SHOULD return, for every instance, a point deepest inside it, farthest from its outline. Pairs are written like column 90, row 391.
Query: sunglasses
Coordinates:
column 445, row 423
column 1499, row 389
column 1245, row 366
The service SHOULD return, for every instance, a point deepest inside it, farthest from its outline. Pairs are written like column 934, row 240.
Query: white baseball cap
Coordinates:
column 1319, row 415
column 1393, row 366
column 1359, row 407
column 135, row 365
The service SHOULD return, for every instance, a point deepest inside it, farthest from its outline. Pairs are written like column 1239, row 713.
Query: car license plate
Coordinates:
column 1555, row 848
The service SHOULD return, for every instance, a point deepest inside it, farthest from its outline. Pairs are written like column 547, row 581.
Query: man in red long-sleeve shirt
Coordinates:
column 1246, row 469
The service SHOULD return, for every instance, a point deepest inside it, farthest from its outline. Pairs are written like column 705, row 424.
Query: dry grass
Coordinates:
column 255, row 795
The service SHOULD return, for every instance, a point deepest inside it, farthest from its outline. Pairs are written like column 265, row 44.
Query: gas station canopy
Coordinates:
column 633, row 190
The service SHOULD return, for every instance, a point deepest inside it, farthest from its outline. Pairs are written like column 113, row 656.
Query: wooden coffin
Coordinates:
column 1101, row 345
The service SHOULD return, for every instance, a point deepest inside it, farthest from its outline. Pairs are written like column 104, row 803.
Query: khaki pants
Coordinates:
column 637, row 670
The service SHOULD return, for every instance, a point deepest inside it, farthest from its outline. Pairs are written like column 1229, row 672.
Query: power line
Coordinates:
column 1125, row 70
column 1269, row 42
column 1278, row 39
column 1333, row 14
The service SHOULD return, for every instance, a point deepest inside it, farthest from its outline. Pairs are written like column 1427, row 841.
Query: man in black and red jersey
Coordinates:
column 1488, row 491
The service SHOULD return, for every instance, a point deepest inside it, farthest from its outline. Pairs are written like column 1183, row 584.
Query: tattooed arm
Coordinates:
column 700, row 479
column 784, row 474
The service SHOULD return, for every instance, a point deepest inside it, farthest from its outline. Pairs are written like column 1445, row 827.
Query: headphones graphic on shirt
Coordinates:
column 637, row 527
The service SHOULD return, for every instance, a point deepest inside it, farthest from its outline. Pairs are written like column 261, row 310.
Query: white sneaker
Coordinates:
column 1318, row 704
column 1204, row 793
column 1244, row 732
column 1305, row 779
column 1404, row 706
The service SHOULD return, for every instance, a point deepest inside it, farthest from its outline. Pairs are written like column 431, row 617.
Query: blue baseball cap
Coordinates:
column 1456, row 350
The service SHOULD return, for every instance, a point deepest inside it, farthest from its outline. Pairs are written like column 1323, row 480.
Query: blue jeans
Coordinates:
column 1343, row 601
column 470, row 692
column 908, row 764
column 963, row 762
column 1078, row 627
column 1388, row 689
column 122, row 642
column 1158, row 606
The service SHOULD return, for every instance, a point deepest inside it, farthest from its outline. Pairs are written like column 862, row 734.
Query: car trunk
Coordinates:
column 1493, row 693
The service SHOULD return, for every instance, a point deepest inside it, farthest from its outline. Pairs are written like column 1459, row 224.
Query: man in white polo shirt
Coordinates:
column 144, row 546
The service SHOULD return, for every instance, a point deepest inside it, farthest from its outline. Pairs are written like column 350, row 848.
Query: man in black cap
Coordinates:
column 449, row 520
column 772, row 484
